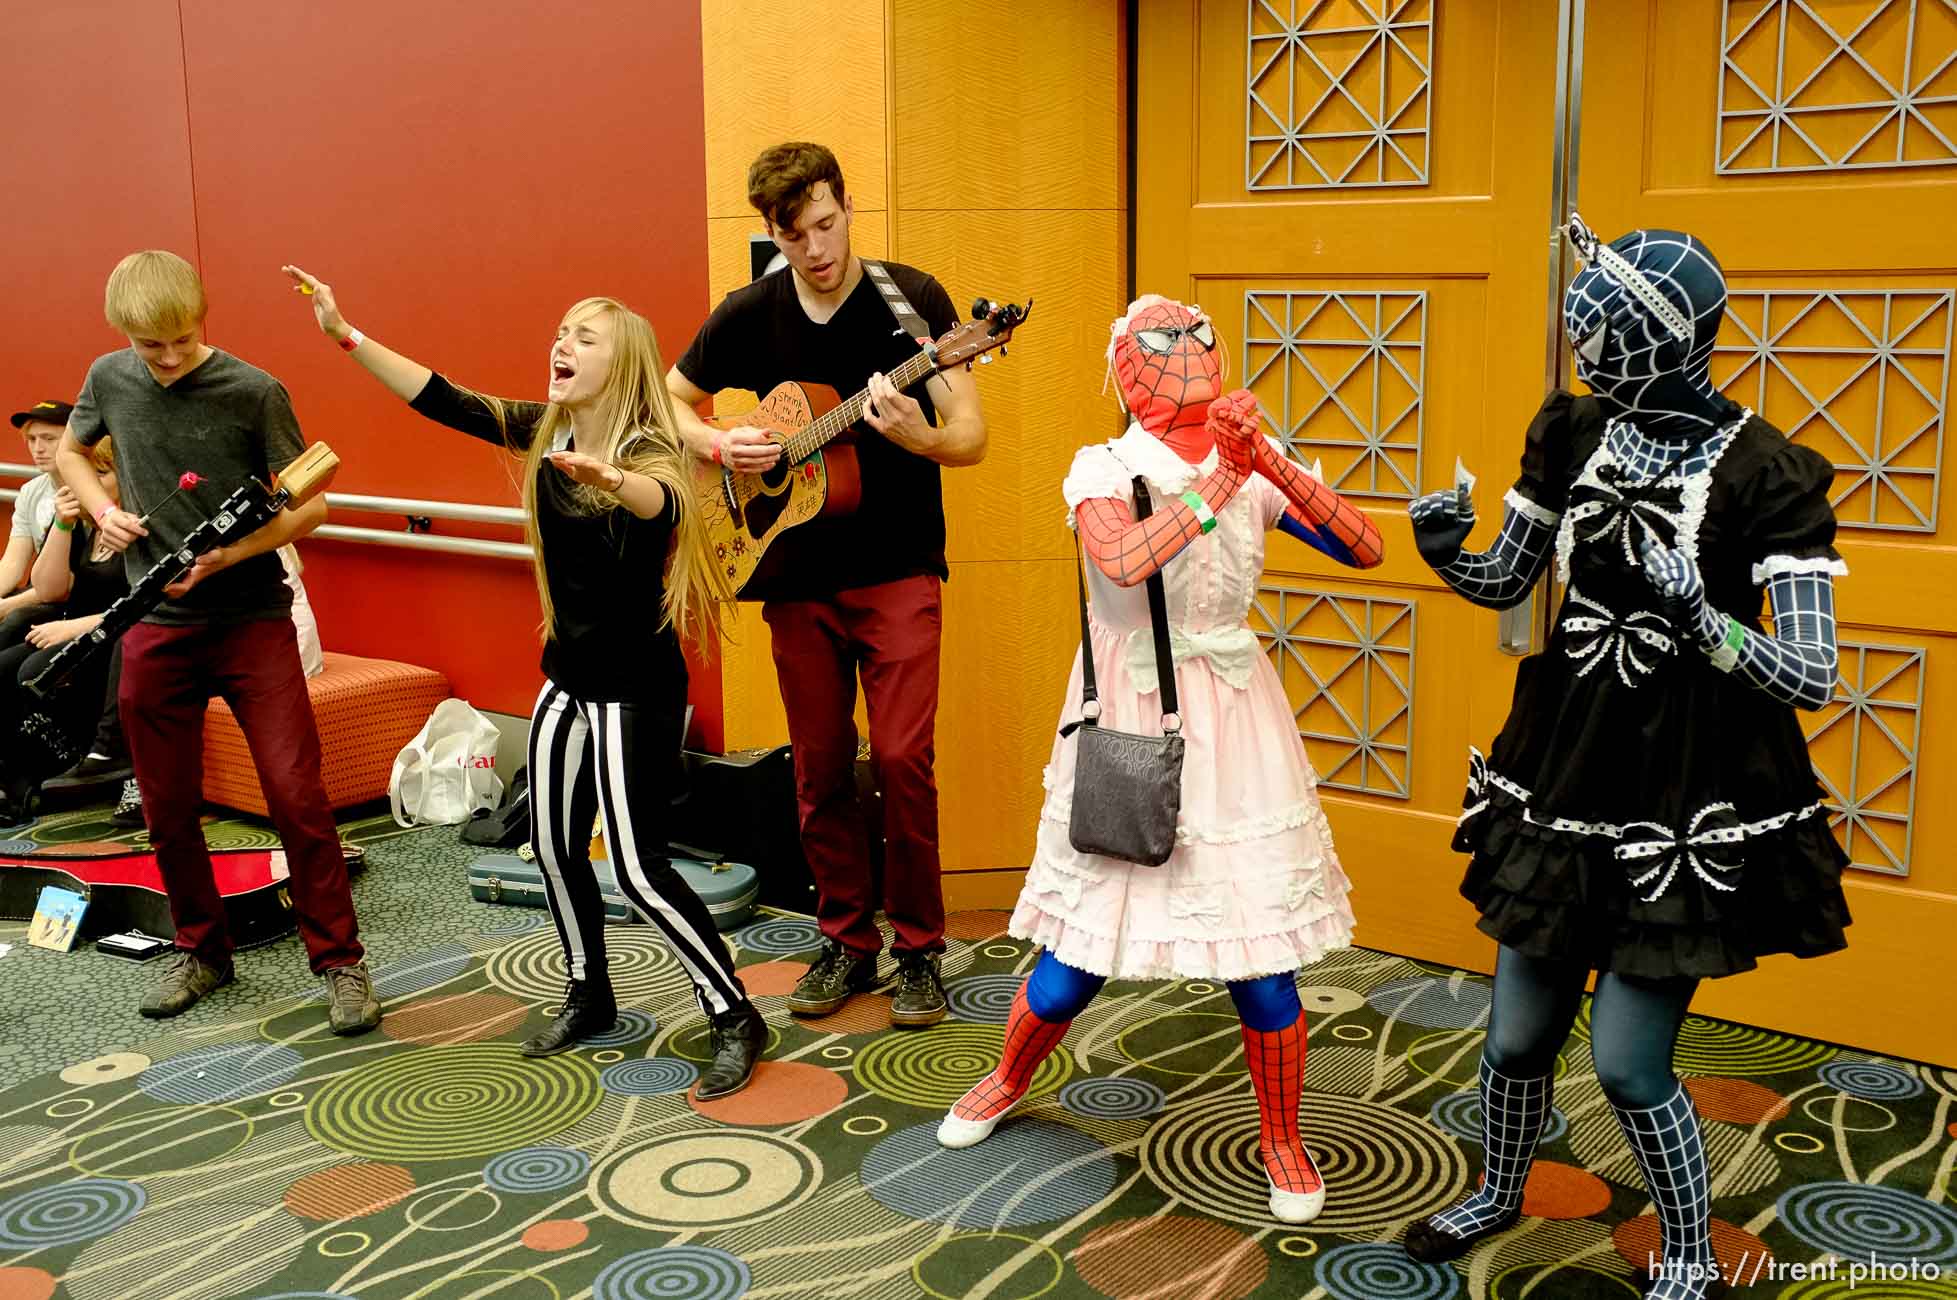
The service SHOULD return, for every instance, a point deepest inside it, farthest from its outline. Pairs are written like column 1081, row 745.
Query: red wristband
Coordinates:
column 353, row 340
column 719, row 441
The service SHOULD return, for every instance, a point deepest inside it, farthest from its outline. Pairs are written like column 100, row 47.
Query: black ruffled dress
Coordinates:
column 1641, row 811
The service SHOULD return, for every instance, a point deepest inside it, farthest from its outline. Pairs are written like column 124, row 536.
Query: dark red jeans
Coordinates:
column 168, row 676
column 889, row 633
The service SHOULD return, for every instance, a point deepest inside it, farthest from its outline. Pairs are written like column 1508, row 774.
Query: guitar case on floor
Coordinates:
column 727, row 888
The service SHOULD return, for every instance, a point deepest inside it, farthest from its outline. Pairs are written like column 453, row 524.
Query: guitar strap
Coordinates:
column 900, row 307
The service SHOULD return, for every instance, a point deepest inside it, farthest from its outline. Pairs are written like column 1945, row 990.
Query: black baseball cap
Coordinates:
column 46, row 412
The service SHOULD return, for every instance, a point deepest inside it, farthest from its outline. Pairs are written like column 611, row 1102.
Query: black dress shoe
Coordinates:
column 91, row 771
column 1431, row 1245
column 589, row 1009
column 737, row 1039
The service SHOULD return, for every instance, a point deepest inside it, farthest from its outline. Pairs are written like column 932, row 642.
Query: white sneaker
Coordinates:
column 955, row 1132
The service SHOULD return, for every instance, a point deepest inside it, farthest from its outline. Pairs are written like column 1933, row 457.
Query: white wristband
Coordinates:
column 353, row 340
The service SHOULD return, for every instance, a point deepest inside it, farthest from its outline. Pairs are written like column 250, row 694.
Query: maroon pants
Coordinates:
column 168, row 676
column 889, row 633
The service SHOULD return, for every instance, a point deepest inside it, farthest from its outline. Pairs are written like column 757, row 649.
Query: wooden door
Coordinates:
column 1813, row 147
column 1361, row 202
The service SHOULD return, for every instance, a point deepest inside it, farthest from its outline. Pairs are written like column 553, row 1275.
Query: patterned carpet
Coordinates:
column 246, row 1152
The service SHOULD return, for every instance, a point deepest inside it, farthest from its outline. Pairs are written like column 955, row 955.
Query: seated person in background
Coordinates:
column 79, row 575
column 108, row 737
column 41, row 425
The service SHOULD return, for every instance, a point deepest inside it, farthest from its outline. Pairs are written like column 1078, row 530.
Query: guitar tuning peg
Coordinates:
column 1003, row 349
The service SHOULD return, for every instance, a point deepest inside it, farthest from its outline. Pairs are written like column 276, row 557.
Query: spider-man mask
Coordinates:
column 1165, row 359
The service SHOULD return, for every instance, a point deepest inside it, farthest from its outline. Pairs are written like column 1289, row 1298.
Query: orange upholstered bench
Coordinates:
column 366, row 709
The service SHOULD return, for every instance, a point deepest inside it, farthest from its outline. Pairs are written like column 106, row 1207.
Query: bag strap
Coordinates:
column 900, row 306
column 1158, row 617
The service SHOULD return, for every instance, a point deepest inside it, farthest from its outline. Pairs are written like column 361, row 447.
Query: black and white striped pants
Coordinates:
column 620, row 761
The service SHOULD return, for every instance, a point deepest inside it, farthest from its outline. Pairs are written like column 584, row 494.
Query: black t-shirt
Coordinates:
column 95, row 584
column 758, row 337
column 606, row 571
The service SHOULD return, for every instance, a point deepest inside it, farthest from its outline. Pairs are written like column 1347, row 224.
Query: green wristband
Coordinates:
column 1204, row 515
column 66, row 528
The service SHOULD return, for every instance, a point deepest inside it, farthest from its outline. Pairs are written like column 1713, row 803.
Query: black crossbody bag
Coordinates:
column 1128, row 787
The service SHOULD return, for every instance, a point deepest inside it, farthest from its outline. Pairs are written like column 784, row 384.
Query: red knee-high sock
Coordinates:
column 1029, row 1040
column 1277, row 1071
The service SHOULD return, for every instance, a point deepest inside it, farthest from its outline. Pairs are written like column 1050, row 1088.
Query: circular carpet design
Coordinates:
column 772, row 979
column 532, row 966
column 455, row 1018
column 1188, row 1043
column 1124, row 1097
column 780, row 1092
column 536, row 1169
column 681, row 1182
column 934, row 1069
column 222, row 1073
column 1015, row 1267
column 421, row 972
column 782, row 936
column 153, row 1141
column 649, row 1076
column 112, row 1068
column 1718, row 1047
column 1385, row 1165
column 1735, row 1101
column 349, row 1191
column 696, row 1272
column 1434, row 1003
column 633, row 1026
column 203, row 1250
column 1871, row 1080
column 1639, row 1243
column 68, row 1212
column 983, row 999
column 1460, row 1114
column 1329, row 999
column 1027, row 1172
column 443, row 1103
column 1857, row 1222
column 1371, row 1271
column 1170, row 1255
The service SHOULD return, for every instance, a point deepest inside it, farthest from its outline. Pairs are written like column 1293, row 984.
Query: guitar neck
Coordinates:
column 837, row 421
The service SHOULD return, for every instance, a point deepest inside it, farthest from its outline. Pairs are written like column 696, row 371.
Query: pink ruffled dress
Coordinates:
column 1254, row 886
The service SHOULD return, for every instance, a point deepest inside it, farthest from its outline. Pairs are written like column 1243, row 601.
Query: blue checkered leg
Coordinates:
column 1665, row 1139
column 1514, row 1113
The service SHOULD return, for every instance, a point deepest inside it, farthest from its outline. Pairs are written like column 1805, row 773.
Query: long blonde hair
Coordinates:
column 640, row 436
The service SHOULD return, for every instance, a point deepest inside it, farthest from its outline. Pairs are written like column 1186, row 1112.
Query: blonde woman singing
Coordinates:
column 605, row 499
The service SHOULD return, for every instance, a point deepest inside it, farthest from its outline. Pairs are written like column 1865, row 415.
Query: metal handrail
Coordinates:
column 404, row 506
column 407, row 506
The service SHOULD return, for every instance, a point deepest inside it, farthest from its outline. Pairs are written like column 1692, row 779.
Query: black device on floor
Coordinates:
column 133, row 945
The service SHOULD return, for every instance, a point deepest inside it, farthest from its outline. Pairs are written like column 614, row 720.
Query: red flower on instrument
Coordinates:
column 187, row 480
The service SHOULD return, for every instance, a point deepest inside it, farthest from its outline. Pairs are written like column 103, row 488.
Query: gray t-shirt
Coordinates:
column 227, row 420
column 34, row 510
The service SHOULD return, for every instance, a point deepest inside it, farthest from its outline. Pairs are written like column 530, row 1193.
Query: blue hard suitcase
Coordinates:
column 518, row 882
column 729, row 889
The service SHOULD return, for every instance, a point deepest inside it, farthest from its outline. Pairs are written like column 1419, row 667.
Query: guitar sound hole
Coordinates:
column 775, row 475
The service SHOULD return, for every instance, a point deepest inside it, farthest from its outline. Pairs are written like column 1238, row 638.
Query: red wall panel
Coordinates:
column 461, row 172
column 97, row 164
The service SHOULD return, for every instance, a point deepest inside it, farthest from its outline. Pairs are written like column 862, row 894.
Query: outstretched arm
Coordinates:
column 1501, row 576
column 404, row 376
column 1796, row 665
column 1318, row 516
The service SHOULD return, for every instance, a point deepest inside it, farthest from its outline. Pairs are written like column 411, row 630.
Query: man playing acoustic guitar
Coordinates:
column 851, row 593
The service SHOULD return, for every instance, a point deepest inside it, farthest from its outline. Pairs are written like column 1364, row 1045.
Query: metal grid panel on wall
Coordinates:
column 1346, row 663
column 1864, row 747
column 1810, row 86
column 1338, row 93
column 1342, row 377
column 1861, row 375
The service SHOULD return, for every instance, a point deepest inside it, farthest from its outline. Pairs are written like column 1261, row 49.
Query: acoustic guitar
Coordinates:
column 48, row 745
column 817, row 475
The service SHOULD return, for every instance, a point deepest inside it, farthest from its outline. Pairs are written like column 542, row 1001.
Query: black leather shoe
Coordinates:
column 920, row 998
column 1431, row 1245
column 589, row 1009
column 737, row 1038
column 91, row 771
column 838, row 974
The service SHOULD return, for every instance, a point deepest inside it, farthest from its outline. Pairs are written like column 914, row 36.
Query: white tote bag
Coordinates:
column 448, row 770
